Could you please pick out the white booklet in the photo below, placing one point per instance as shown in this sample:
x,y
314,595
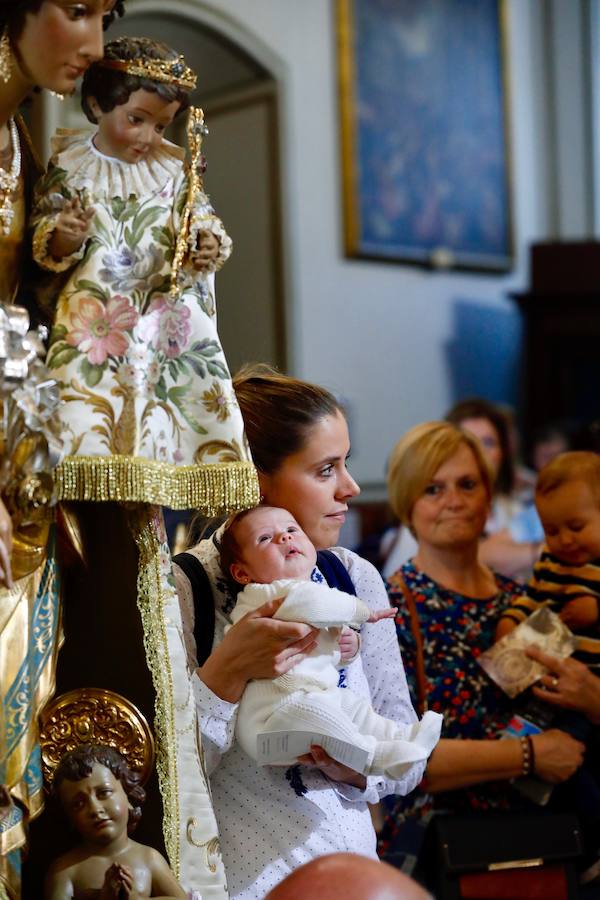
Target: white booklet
x,y
282,748
506,662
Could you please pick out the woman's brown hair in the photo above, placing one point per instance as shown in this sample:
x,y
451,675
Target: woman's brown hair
x,y
279,412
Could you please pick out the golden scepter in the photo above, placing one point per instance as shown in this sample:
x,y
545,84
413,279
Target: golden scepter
x,y
196,129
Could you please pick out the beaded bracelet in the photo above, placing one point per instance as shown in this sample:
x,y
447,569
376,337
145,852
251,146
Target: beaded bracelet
x,y
531,753
528,755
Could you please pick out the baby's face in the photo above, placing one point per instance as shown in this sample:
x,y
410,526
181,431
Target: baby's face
x,y
97,806
273,546
134,129
571,519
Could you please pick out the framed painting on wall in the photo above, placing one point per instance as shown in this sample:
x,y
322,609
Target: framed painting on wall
x,y
424,134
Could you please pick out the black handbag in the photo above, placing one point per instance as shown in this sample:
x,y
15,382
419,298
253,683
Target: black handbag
x,y
497,855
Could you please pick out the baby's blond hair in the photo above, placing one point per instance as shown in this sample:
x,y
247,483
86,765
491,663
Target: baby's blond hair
x,y
576,465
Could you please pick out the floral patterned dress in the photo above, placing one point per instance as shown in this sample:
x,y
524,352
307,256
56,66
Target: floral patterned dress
x,y
149,411
456,630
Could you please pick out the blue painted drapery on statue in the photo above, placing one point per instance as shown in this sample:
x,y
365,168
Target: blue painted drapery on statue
x,y
29,640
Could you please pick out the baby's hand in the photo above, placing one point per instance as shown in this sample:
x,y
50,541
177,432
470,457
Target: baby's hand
x,y
504,627
71,228
582,612
204,257
349,643
380,614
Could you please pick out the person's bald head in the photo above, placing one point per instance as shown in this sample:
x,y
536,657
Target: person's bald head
x,y
346,876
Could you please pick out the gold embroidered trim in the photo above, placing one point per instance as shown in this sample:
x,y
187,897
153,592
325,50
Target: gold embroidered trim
x,y
214,488
212,847
151,604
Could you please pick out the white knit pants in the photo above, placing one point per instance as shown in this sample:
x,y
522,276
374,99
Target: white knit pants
x,y
341,714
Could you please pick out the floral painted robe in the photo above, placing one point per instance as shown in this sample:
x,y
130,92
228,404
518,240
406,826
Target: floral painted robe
x,y
149,412
150,418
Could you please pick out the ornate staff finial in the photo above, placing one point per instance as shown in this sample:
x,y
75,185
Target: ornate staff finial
x,y
196,129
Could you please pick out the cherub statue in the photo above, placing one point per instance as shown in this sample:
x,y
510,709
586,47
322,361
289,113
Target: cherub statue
x,y
102,798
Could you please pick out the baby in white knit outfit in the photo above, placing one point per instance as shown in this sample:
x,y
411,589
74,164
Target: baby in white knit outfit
x,y
266,550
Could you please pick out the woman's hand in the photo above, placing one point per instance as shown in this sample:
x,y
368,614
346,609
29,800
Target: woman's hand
x,y
569,683
334,770
257,646
557,755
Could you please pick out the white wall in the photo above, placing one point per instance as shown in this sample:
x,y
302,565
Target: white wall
x,y
382,335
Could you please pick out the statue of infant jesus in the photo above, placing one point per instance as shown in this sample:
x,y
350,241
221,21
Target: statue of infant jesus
x,y
102,798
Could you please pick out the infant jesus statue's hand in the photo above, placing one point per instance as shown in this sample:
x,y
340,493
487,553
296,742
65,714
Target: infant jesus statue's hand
x,y
204,257
71,228
118,884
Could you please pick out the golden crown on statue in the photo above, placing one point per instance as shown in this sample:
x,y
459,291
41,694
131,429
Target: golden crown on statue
x,y
169,71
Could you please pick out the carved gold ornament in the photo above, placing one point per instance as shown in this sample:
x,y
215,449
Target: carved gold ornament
x,y
95,716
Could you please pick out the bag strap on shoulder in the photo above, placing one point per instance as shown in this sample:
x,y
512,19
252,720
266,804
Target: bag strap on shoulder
x,y
335,572
204,607
415,627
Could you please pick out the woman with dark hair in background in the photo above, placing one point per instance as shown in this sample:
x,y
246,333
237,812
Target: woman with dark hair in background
x,y
513,533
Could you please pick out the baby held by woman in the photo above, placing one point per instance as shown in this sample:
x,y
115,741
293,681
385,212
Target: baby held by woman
x,y
265,550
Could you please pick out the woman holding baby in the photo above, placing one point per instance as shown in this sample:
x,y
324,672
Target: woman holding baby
x,y
271,819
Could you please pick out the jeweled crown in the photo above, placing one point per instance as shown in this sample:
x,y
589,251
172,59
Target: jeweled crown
x,y
170,71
